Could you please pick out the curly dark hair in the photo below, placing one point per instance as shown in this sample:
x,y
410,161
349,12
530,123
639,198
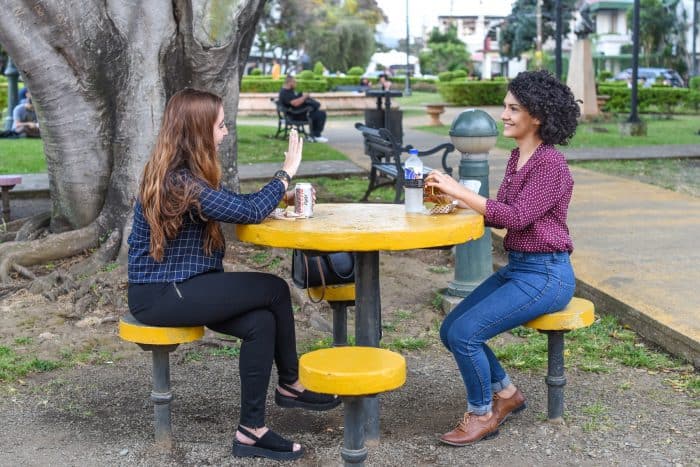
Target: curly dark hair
x,y
550,101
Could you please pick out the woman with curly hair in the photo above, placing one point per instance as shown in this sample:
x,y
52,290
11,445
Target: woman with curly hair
x,y
176,276
532,203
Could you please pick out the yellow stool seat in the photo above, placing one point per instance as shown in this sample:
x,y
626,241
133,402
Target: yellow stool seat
x,y
139,333
352,371
333,293
579,313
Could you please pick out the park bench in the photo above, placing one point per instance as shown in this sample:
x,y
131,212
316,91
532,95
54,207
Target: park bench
x,y
385,153
579,313
7,183
291,117
160,341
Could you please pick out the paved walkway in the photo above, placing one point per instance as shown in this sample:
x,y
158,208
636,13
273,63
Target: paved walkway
x,y
635,253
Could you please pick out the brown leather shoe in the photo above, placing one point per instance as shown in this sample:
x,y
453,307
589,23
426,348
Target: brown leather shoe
x,y
502,408
470,430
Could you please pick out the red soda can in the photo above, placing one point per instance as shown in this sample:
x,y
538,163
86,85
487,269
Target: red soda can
x,y
303,200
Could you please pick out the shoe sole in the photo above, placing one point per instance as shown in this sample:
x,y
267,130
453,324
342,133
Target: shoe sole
x,y
291,403
244,450
516,410
491,435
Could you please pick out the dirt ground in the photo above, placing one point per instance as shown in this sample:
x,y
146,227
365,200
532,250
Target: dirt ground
x,y
98,412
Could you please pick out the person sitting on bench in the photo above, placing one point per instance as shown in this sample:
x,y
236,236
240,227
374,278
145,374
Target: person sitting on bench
x,y
290,98
24,121
175,269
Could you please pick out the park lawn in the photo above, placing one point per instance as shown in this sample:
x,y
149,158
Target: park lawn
x,y
255,144
678,130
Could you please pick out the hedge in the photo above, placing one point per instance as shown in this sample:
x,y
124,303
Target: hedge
x,y
249,84
467,93
659,98
694,83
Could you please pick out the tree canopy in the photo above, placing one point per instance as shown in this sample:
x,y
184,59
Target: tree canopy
x,y
661,33
519,31
445,52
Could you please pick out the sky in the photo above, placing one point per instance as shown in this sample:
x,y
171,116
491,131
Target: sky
x,y
425,12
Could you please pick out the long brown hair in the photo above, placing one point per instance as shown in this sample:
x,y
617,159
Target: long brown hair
x,y
185,141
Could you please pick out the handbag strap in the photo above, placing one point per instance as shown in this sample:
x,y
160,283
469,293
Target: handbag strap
x,y
320,272
331,264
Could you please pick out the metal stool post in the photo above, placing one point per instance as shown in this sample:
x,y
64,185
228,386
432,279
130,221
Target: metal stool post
x,y
555,378
340,323
161,395
354,451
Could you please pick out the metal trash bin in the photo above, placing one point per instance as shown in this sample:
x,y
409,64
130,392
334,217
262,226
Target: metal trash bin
x,y
379,118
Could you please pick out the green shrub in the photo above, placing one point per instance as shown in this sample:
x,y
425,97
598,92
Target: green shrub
x,y
663,99
256,72
355,71
3,97
312,85
446,76
604,75
306,74
694,83
457,74
254,84
319,69
466,92
334,81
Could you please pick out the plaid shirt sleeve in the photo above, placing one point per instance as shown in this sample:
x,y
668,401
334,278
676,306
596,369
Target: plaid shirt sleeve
x,y
225,206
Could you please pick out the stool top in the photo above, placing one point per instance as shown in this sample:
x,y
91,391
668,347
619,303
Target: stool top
x,y
334,293
579,313
134,331
352,371
10,180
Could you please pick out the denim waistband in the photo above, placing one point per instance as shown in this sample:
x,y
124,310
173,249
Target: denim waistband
x,y
524,255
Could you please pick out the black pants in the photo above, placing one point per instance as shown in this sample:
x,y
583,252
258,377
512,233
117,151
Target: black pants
x,y
255,307
317,116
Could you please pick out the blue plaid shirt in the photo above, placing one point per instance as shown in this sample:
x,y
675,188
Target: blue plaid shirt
x,y
184,255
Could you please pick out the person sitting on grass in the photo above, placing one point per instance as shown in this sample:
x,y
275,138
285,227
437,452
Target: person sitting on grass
x,y
539,112
175,269
24,121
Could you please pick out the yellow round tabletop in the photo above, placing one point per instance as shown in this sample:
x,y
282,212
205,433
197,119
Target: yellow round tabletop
x,y
365,227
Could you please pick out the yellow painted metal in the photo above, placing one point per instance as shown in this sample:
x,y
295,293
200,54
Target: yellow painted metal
x,y
334,293
365,227
579,313
134,331
352,371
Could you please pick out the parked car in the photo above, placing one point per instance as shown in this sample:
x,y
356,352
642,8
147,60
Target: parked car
x,y
670,77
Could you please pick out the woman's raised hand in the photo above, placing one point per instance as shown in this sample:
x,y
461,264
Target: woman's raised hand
x,y
292,158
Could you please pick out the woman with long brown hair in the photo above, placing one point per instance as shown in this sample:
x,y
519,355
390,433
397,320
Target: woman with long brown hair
x,y
176,276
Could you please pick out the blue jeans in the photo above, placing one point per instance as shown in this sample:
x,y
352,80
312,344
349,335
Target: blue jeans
x,y
530,285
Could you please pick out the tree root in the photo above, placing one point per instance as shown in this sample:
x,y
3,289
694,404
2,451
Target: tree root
x,y
33,227
46,249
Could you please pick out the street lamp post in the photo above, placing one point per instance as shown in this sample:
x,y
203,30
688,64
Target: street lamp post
x,y
473,133
557,49
407,88
634,126
12,96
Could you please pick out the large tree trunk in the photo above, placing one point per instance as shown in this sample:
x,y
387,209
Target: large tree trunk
x,y
100,73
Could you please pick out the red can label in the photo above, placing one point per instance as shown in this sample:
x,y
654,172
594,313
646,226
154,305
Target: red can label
x,y
303,200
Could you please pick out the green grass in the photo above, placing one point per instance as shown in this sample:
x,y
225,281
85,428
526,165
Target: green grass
x,y
255,144
18,363
679,130
336,190
22,156
595,348
416,98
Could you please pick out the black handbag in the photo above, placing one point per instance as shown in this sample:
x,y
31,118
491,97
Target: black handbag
x,y
316,268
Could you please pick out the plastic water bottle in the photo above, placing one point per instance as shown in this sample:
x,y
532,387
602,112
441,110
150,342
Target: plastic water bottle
x,y
413,182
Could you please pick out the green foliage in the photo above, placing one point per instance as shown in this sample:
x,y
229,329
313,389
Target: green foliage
x,y
604,75
307,74
334,81
256,72
405,343
312,85
14,366
355,71
445,52
694,83
319,69
457,74
253,84
347,43
473,93
519,30
663,99
659,29
446,76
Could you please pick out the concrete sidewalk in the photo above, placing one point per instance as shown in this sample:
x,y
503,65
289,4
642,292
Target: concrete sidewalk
x,y
634,243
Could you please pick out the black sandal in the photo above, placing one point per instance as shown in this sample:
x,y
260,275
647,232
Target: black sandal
x,y
270,445
306,399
